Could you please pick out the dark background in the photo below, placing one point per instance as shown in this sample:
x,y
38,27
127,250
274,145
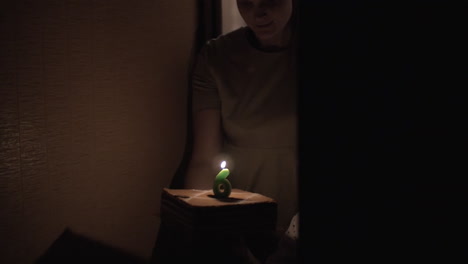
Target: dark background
x,y
382,136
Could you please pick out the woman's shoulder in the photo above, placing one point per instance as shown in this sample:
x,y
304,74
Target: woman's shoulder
x,y
234,35
231,42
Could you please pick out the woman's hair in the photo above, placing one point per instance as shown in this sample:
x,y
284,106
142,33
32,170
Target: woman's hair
x,y
294,20
294,23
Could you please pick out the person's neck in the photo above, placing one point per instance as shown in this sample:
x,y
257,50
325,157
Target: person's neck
x,y
277,43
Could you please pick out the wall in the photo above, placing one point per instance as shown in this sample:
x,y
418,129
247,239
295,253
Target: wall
x,y
231,19
92,119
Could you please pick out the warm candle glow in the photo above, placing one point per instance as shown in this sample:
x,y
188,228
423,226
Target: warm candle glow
x,y
221,186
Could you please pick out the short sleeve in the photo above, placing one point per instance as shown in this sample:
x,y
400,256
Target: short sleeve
x,y
204,90
293,230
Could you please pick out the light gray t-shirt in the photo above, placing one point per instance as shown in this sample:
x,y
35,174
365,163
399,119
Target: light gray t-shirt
x,y
256,92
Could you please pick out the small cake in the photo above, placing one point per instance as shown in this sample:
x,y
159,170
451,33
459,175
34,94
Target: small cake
x,y
199,226
200,210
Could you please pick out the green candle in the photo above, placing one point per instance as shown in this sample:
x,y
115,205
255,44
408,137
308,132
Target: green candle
x,y
222,174
221,186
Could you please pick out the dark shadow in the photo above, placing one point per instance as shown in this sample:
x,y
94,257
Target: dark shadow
x,y
382,141
72,248
226,199
208,26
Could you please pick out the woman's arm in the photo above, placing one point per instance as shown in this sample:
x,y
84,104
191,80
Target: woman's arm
x,y
207,143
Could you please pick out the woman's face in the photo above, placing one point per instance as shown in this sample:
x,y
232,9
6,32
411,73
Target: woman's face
x,y
268,19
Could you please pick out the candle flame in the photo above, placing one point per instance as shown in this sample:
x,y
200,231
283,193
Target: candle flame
x,y
223,164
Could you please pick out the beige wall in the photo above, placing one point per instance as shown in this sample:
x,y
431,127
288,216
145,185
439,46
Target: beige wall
x,y
231,19
92,119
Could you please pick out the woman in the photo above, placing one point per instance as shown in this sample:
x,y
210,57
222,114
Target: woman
x,y
244,107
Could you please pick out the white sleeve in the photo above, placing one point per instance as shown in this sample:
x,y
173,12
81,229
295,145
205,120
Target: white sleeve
x,y
293,229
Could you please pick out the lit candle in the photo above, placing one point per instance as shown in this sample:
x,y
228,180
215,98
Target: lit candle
x,y
221,186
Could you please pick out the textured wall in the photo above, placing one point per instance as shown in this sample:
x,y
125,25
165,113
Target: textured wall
x,y
92,119
231,19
